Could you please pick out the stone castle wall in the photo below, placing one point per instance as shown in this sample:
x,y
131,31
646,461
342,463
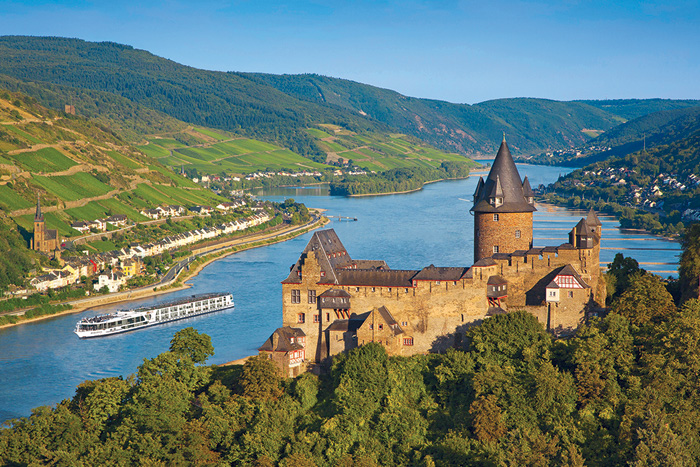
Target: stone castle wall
x,y
501,233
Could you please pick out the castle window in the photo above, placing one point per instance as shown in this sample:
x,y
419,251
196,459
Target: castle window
x,y
406,290
371,327
381,327
301,318
357,289
312,296
317,318
372,289
328,316
495,248
517,234
404,323
552,293
571,294
495,217
296,296
389,289
437,282
408,341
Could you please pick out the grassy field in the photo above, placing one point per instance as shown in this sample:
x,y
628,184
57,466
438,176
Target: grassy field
x,y
46,160
316,133
72,187
123,160
23,134
10,200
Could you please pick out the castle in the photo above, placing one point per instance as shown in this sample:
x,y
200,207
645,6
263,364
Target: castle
x,y
44,240
333,303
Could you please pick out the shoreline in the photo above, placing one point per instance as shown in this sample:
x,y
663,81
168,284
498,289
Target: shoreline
x,y
154,290
359,195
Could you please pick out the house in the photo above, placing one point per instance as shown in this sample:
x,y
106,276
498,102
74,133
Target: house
x,y
286,348
117,220
113,280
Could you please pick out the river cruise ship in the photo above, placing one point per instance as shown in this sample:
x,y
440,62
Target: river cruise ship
x,y
129,320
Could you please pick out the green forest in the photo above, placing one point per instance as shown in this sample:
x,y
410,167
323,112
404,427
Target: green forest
x,y
398,180
624,390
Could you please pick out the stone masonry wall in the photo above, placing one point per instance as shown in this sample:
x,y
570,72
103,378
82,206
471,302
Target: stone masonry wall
x,y
501,233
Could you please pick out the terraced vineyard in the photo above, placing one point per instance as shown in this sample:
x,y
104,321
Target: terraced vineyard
x,y
212,152
80,170
378,152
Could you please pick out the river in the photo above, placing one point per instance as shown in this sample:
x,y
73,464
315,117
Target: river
x,y
41,363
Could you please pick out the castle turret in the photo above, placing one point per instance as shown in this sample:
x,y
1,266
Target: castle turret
x,y
503,207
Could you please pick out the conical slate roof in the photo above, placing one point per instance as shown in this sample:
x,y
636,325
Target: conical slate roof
x,y
592,219
38,216
503,180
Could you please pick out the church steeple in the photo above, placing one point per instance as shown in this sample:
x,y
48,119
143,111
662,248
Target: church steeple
x,y
38,216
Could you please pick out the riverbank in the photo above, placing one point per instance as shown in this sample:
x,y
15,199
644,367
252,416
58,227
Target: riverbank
x,y
360,195
206,254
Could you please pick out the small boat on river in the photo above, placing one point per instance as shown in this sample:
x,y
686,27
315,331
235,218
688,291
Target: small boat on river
x,y
129,320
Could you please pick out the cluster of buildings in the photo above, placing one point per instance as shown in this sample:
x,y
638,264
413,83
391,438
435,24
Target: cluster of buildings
x,y
163,211
112,269
646,196
303,173
100,225
333,302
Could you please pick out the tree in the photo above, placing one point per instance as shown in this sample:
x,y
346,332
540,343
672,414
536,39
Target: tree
x,y
689,267
192,344
645,300
486,419
618,274
260,379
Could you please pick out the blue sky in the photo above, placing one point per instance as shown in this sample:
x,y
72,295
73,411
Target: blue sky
x,y
458,51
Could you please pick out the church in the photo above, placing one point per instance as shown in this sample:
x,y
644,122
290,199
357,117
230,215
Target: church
x,y
332,302
44,240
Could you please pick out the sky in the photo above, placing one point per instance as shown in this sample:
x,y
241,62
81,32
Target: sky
x,y
460,51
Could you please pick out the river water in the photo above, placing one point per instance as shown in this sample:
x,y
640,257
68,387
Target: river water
x,y
41,363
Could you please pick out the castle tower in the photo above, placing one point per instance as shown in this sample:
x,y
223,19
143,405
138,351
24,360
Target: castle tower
x,y
39,228
503,207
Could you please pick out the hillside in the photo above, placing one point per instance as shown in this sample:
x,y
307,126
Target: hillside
x,y
279,108
655,129
630,109
81,170
531,124
657,190
208,151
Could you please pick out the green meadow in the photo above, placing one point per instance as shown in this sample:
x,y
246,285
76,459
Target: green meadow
x,y
125,161
72,187
46,160
11,201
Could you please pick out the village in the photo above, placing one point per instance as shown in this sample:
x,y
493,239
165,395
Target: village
x,y
112,269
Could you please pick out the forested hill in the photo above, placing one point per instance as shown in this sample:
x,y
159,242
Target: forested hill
x,y
655,129
214,99
531,124
629,109
279,108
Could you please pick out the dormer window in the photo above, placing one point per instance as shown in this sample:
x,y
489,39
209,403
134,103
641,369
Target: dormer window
x,y
530,200
497,201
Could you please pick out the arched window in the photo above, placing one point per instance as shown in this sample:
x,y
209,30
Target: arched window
x,y
517,234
